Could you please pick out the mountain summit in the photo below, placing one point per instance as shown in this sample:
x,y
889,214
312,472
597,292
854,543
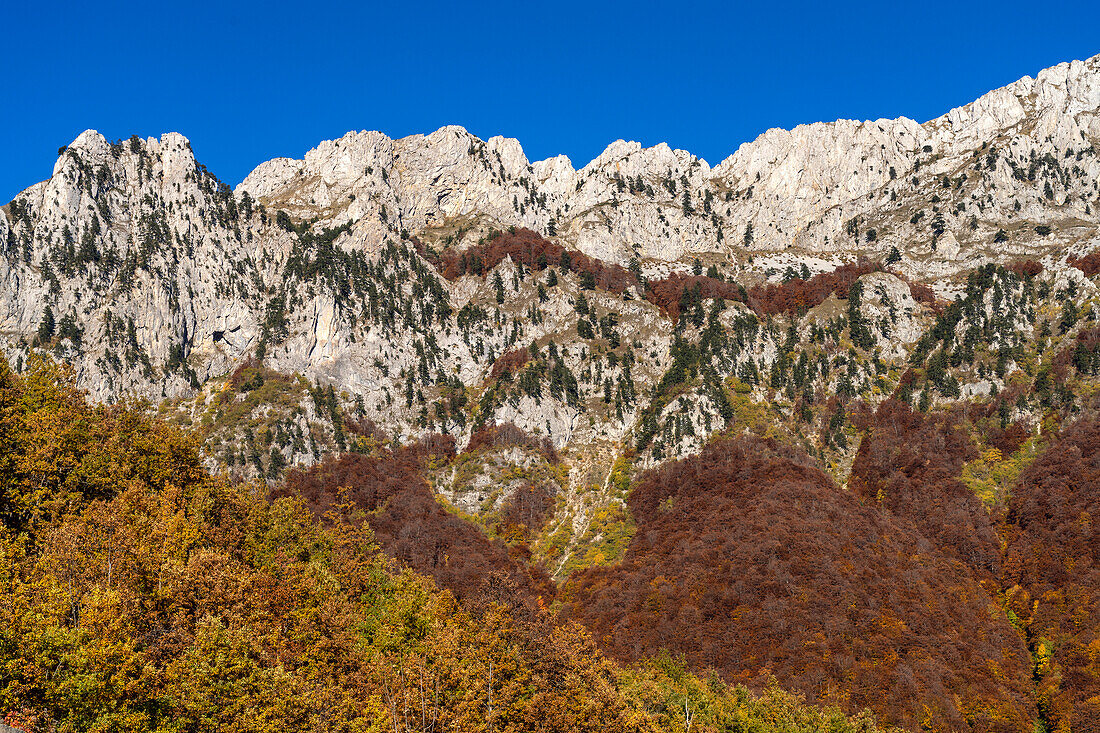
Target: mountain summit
x,y
615,382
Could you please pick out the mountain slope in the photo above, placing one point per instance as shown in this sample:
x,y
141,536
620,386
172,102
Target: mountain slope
x,y
748,560
570,330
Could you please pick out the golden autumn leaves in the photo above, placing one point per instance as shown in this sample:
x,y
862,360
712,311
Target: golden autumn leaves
x,y
138,593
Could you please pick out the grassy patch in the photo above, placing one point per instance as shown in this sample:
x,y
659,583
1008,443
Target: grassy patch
x,y
605,541
991,475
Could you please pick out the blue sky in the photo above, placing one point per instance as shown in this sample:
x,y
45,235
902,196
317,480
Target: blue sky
x,y
249,81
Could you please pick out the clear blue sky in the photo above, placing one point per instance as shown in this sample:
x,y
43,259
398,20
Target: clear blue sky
x,y
248,81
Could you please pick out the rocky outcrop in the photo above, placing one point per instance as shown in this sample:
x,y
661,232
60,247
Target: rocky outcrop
x,y
151,277
799,189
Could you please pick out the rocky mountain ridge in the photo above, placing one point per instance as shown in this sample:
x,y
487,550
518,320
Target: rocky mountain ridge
x,y
628,310
802,192
870,340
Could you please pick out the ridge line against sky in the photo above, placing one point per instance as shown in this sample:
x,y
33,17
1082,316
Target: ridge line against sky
x,y
253,81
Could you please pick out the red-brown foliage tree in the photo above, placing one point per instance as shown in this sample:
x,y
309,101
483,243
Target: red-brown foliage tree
x,y
922,294
1052,570
749,560
526,510
410,525
910,464
366,428
790,297
666,293
1025,269
799,294
534,251
1089,264
510,362
508,435
1009,440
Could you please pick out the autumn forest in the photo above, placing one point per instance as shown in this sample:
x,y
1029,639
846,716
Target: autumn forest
x,y
420,436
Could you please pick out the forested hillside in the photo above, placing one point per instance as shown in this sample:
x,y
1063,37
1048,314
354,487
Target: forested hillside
x,y
141,593
419,434
748,558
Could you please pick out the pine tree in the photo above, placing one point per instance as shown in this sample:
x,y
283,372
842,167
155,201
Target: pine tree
x,y
47,327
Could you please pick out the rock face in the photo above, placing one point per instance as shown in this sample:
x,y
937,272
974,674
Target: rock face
x,y
136,254
568,329
796,189
151,277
